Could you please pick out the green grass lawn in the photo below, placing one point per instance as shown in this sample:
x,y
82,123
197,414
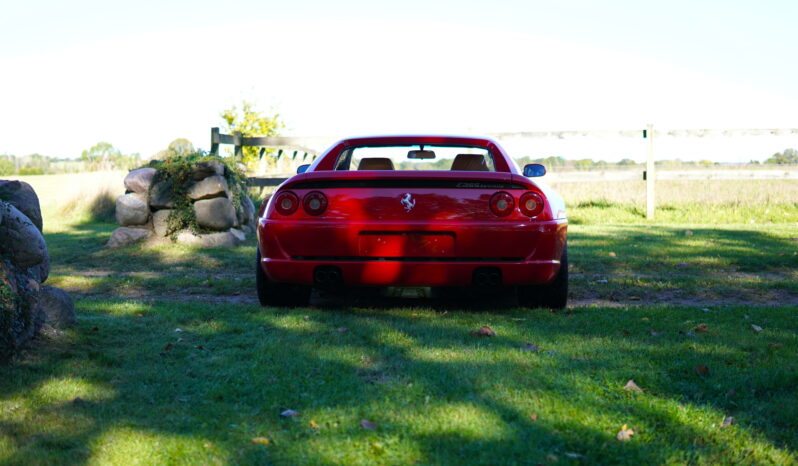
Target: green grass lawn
x,y
125,387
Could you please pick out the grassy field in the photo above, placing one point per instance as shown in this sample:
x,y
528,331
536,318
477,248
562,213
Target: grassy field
x,y
173,361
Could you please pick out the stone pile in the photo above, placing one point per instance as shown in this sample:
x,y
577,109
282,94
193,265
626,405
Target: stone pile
x,y
143,211
26,304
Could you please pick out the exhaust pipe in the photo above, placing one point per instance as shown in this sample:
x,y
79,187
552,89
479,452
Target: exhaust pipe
x,y
327,276
487,277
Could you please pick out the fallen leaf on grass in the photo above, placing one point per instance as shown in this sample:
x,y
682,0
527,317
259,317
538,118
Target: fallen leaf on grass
x,y
756,328
624,434
727,422
775,345
289,413
612,254
529,347
631,386
533,416
701,328
702,370
368,425
484,331
261,441
313,424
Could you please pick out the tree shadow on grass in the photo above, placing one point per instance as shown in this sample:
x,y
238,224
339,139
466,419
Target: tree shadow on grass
x,y
436,393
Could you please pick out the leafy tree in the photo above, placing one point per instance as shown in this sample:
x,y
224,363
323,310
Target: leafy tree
x,y
180,147
251,122
104,156
8,165
789,156
100,156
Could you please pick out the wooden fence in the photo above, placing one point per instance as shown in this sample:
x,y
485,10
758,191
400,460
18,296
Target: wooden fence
x,y
650,175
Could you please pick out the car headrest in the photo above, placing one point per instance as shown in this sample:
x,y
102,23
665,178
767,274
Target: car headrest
x,y
375,163
470,163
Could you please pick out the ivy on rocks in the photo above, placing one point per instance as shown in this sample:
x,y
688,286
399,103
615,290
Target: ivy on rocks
x,y
178,173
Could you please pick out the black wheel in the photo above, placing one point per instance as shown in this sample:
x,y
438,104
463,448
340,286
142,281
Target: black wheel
x,y
551,296
279,294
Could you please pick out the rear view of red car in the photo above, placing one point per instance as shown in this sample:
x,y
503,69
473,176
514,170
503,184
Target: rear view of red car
x,y
394,212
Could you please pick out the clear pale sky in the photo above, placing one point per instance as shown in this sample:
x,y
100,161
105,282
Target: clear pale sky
x,y
140,74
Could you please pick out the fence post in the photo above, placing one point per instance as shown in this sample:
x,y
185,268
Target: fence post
x,y
650,175
238,142
215,141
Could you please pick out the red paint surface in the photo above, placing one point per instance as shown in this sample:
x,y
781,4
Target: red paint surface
x,y
375,239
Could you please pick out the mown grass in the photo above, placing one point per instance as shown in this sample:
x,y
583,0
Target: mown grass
x,y
125,387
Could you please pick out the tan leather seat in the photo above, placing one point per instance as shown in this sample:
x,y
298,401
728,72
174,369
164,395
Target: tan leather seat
x,y
470,163
375,163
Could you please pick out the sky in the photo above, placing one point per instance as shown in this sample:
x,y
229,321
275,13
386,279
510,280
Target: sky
x,y
141,74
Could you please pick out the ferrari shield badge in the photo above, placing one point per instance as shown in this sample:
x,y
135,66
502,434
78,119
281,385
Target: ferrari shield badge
x,y
408,202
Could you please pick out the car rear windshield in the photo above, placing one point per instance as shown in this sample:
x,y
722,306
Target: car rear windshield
x,y
416,157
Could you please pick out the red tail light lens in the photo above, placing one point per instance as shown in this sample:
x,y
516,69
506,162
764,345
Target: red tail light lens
x,y
502,204
531,204
286,203
314,203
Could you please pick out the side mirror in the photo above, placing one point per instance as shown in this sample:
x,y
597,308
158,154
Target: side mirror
x,y
304,168
534,169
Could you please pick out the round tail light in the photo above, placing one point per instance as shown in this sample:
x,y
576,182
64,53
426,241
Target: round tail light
x,y
531,204
286,203
314,203
502,204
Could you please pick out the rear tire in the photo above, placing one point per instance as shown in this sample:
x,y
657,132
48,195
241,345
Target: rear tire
x,y
552,296
279,294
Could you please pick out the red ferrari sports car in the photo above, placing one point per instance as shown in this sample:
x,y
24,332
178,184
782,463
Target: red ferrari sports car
x,y
435,213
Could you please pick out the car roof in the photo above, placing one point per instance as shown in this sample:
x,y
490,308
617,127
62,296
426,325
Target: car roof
x,y
404,139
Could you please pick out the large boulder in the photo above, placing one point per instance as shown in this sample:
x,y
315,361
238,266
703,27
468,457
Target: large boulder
x,y
212,240
161,196
216,214
20,240
210,187
123,236
139,180
56,307
22,196
131,209
19,301
205,169
160,221
246,212
42,271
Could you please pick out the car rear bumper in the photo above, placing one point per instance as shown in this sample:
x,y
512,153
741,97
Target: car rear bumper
x,y
523,253
403,273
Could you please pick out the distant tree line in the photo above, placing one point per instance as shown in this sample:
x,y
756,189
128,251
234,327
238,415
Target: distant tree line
x,y
101,156
788,156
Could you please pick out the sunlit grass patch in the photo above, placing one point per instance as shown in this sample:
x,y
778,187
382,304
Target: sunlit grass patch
x,y
129,446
